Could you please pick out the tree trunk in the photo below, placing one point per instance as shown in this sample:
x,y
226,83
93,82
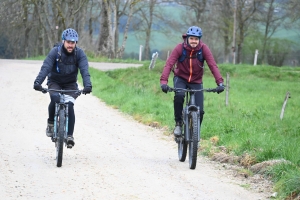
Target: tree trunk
x,y
105,38
121,50
27,28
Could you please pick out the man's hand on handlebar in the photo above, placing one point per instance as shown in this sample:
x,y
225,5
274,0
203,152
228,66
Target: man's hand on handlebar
x,y
220,88
165,88
37,87
86,90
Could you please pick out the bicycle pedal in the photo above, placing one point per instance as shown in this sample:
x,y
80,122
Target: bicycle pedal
x,y
69,146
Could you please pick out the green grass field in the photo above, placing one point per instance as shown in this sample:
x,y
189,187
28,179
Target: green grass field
x,y
250,124
160,41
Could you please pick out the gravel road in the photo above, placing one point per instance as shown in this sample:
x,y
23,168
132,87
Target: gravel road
x,y
114,156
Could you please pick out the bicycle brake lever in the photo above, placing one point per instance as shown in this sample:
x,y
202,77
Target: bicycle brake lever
x,y
78,92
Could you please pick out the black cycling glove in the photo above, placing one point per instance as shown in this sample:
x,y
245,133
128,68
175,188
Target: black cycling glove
x,y
164,88
220,88
37,87
87,90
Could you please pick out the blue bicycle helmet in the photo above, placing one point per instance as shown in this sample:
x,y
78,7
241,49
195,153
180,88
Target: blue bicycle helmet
x,y
194,31
70,35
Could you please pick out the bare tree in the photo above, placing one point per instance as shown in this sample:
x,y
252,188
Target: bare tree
x,y
27,28
111,13
151,17
105,36
245,12
129,17
145,13
31,27
271,20
223,18
12,23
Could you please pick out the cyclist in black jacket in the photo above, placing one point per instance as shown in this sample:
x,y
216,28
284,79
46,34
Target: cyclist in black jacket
x,y
61,66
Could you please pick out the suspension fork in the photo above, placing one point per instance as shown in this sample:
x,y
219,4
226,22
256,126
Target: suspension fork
x,y
67,119
65,106
198,123
55,119
192,104
186,123
186,118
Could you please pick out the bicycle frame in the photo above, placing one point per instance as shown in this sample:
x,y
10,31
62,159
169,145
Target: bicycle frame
x,y
190,106
61,122
59,106
191,120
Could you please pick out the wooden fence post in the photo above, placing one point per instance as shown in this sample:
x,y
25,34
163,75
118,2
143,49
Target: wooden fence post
x,y
255,57
140,53
153,60
284,104
227,89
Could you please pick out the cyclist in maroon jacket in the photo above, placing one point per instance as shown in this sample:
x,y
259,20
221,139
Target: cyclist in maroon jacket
x,y
188,72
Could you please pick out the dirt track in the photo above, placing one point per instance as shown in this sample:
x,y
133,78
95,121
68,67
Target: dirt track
x,y
114,156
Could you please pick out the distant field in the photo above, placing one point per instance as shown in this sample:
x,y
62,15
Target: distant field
x,y
160,41
288,34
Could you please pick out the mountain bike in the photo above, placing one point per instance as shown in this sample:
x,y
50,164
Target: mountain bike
x,y
191,123
61,121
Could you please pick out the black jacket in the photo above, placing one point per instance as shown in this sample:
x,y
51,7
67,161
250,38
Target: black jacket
x,y
68,66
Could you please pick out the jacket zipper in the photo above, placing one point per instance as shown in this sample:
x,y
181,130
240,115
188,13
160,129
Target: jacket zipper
x,y
191,65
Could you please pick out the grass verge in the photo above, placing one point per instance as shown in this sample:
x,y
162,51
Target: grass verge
x,y
249,126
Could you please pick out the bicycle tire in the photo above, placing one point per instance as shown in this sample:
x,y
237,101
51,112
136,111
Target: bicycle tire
x,y
182,149
182,144
193,142
60,138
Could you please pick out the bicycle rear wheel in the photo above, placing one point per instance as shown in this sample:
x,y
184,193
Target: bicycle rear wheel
x,y
60,138
193,142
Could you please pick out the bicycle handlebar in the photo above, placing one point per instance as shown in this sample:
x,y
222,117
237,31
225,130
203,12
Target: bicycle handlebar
x,y
192,90
45,90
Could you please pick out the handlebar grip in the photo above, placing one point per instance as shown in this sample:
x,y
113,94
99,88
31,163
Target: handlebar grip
x,y
170,89
212,90
78,92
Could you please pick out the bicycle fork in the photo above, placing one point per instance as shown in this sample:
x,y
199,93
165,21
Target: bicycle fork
x,y
186,117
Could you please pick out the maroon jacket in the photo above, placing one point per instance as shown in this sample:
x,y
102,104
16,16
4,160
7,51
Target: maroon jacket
x,y
191,69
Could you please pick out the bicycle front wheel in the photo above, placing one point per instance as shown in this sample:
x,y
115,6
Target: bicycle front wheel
x,y
193,142
182,149
182,144
60,138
